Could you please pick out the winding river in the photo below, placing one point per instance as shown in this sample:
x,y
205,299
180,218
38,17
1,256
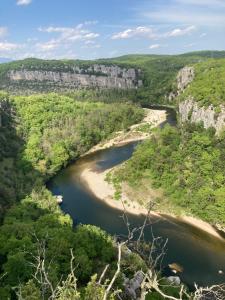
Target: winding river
x,y
200,254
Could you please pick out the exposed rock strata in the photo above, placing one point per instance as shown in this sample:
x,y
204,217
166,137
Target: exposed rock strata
x,y
97,76
190,110
184,78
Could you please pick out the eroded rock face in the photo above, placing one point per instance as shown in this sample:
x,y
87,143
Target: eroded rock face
x,y
96,76
184,78
190,111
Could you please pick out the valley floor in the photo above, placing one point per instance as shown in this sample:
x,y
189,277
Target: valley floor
x,y
131,200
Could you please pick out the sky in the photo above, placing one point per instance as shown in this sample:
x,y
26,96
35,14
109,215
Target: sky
x,y
89,29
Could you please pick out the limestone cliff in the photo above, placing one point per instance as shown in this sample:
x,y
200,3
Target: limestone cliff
x,y
211,117
94,76
190,110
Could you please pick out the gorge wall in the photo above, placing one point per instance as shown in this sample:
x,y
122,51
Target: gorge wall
x,y
190,110
94,76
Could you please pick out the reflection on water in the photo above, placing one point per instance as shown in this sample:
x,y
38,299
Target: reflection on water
x,y
200,254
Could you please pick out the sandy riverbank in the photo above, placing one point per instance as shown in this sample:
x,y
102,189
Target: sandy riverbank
x,y
152,117
105,191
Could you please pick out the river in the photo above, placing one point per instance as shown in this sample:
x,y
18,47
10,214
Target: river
x,y
200,254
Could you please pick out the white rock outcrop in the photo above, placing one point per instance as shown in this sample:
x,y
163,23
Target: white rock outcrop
x,y
184,78
190,110
97,76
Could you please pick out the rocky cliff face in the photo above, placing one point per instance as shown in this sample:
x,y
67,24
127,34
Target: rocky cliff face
x,y
190,110
97,76
184,78
211,117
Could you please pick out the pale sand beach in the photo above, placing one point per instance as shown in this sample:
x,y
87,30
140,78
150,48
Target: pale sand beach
x,y
152,117
104,191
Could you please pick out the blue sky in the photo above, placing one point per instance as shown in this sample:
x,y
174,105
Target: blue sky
x,y
88,29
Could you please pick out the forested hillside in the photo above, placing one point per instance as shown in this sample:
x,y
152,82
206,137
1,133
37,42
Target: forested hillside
x,y
157,72
187,162
41,255
39,135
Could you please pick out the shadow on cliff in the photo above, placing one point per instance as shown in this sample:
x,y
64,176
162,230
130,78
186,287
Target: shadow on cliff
x,y
16,176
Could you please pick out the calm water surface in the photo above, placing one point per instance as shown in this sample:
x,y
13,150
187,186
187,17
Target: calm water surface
x,y
200,254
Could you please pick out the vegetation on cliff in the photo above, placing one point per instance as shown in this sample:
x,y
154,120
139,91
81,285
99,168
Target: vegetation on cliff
x,y
158,73
208,86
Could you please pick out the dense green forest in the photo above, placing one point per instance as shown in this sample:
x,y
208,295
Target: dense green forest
x,y
56,129
188,163
39,135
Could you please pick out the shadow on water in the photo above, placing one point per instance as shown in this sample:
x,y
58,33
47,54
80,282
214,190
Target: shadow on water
x,y
200,254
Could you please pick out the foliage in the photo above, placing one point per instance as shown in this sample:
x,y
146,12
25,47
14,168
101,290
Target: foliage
x,y
43,133
158,75
27,225
208,86
188,164
58,129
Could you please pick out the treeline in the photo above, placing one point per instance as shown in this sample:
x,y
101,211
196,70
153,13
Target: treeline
x,y
188,164
158,73
58,129
39,135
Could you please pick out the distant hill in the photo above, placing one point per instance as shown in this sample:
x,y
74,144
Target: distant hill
x,y
148,79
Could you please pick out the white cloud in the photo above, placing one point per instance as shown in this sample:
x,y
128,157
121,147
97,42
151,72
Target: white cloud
x,y
149,33
3,31
67,34
7,47
141,31
154,46
23,2
180,32
50,45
